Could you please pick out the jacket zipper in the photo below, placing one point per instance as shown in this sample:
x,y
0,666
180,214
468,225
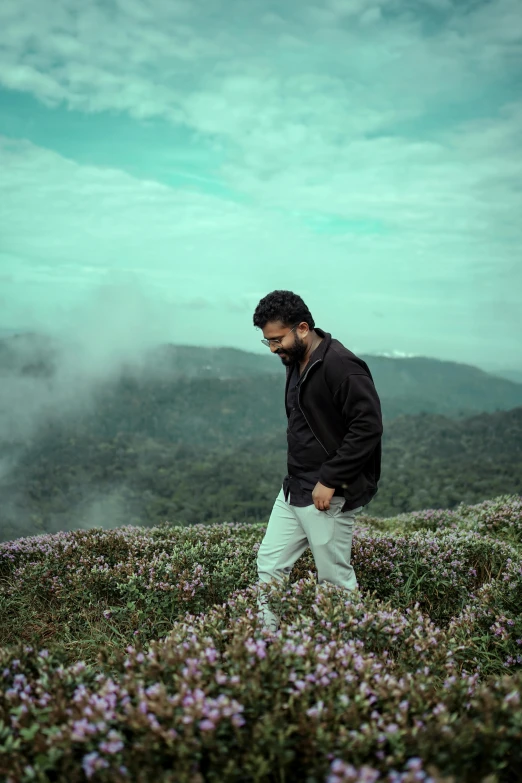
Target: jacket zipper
x,y
302,411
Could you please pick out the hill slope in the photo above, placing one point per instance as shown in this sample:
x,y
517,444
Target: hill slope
x,y
406,385
73,476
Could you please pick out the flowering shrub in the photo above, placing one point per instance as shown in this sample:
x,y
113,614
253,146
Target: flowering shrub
x,y
501,517
427,519
138,654
210,699
146,578
493,620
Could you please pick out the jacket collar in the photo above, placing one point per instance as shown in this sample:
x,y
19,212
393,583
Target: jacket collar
x,y
323,345
319,352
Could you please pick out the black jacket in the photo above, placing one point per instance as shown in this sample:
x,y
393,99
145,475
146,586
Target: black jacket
x,y
338,399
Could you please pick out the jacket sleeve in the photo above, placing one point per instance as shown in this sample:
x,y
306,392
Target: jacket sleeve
x,y
359,404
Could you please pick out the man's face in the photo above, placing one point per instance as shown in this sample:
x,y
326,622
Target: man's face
x,y
292,348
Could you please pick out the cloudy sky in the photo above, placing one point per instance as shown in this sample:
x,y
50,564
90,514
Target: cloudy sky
x,y
164,164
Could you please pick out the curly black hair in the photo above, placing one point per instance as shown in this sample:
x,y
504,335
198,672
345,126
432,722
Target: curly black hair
x,y
284,306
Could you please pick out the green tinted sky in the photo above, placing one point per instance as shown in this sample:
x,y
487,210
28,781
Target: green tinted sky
x,y
165,164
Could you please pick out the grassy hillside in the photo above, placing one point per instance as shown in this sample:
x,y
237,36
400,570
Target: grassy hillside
x,y
137,654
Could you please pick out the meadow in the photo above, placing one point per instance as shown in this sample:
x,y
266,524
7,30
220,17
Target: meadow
x,y
137,654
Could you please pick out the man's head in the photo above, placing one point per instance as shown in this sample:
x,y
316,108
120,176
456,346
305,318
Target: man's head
x,y
282,315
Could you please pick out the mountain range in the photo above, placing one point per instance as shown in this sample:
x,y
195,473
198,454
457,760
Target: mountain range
x,y
405,385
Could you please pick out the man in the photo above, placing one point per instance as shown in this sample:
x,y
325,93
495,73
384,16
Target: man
x,y
334,447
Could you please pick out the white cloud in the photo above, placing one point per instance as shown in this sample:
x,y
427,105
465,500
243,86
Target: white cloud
x,y
59,210
341,108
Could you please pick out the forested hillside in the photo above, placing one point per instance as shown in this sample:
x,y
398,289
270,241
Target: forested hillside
x,y
198,435
75,475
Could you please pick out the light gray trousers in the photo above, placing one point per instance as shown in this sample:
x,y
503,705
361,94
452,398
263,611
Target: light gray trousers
x,y
291,530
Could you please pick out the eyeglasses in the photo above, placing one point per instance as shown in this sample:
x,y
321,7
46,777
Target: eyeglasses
x,y
267,342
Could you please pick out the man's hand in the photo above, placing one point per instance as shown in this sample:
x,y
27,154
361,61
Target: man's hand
x,y
321,496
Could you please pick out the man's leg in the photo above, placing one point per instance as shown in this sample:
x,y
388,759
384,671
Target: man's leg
x,y
330,536
283,543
